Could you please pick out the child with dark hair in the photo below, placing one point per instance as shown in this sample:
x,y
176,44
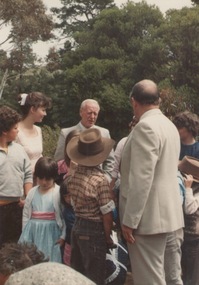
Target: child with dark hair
x,y
69,218
187,124
43,223
33,108
15,177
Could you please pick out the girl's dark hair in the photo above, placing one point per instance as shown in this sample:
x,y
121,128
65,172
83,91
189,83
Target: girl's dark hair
x,y
63,191
46,167
33,99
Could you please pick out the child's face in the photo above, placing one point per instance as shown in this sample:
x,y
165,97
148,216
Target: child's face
x,y
184,133
67,199
12,133
45,184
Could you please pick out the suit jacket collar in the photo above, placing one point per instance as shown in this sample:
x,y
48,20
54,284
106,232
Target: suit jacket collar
x,y
82,128
150,113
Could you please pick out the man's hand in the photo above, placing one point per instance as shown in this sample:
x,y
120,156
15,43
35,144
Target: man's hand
x,y
60,242
128,234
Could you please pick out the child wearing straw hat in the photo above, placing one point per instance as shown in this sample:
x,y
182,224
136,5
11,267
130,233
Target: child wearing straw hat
x,y
92,202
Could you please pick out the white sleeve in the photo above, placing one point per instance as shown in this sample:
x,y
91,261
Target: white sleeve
x,y
191,203
117,157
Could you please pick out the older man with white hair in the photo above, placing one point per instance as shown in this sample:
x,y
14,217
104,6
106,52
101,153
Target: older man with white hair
x,y
89,111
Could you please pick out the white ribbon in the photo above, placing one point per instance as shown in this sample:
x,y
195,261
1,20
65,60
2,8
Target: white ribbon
x,y
23,99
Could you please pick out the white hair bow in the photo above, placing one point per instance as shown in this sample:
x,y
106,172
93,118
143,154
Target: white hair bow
x,y
23,99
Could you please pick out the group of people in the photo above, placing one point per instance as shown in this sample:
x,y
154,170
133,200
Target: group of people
x,y
65,205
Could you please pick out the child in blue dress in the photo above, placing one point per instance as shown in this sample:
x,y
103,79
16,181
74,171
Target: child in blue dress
x,y
43,223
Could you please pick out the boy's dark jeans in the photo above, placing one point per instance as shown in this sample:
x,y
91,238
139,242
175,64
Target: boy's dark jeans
x,y
88,255
10,223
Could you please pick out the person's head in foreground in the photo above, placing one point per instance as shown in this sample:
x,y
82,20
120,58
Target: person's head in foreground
x,y
18,256
49,273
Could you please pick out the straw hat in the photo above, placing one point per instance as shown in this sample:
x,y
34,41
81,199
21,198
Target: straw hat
x,y
89,148
190,165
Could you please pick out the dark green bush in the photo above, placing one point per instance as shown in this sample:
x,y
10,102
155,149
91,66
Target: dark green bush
x,y
50,138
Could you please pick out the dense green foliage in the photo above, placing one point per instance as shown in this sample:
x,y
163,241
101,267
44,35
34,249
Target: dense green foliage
x,y
50,137
107,49
78,15
28,20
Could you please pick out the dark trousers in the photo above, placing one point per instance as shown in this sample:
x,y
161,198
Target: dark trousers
x,y
10,223
190,262
88,255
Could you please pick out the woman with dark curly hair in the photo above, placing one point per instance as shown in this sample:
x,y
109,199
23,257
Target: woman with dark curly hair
x,y
187,124
15,257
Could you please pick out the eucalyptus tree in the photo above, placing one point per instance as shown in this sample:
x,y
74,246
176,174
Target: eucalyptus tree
x,y
28,22
76,15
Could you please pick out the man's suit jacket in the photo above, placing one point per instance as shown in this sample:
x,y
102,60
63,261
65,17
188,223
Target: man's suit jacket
x,y
149,196
59,153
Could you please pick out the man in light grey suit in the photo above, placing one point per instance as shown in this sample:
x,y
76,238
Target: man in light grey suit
x,y
150,202
89,111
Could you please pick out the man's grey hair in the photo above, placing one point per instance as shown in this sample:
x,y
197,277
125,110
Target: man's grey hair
x,y
89,101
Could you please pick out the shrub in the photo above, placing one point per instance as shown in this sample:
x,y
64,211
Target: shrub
x,y
50,138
